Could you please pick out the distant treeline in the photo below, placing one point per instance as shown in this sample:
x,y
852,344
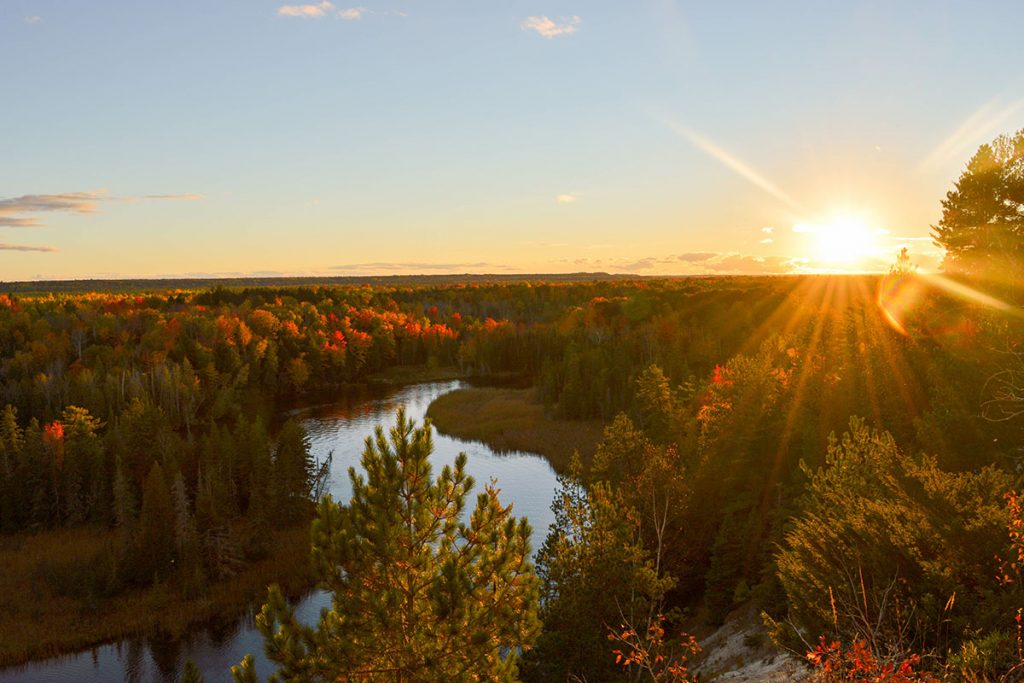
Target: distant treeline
x,y
163,284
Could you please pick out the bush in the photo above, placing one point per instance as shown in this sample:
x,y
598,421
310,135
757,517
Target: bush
x,y
892,549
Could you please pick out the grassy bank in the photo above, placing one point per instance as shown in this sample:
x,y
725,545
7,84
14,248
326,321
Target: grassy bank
x,y
415,374
511,420
38,621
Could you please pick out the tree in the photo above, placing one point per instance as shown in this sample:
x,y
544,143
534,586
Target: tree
x,y
656,406
982,226
293,470
156,528
418,595
597,575
892,550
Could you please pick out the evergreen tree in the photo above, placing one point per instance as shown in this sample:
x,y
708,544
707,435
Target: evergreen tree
x,y
596,574
11,475
982,226
191,673
293,470
417,594
885,540
655,404
155,546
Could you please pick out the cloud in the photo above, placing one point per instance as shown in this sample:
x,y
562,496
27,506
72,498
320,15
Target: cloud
x,y
182,197
697,256
767,229
352,13
306,11
77,202
12,210
24,247
34,19
566,199
11,222
549,29
767,240
392,266
751,265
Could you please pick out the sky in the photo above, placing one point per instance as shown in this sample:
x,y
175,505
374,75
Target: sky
x,y
250,137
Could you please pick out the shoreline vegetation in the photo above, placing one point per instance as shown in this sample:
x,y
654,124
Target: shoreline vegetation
x,y
39,620
513,420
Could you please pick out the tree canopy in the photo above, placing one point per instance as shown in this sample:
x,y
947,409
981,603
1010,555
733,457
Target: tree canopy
x,y
982,226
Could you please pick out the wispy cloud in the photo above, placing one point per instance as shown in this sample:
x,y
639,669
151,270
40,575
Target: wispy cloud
x,y
181,197
697,256
13,210
25,247
767,229
739,263
33,19
12,222
979,127
353,13
386,267
566,199
316,11
549,28
78,202
751,265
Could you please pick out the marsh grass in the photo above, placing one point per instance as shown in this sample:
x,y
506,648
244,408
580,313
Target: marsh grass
x,y
512,420
43,613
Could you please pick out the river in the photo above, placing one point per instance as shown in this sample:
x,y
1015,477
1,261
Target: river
x,y
525,480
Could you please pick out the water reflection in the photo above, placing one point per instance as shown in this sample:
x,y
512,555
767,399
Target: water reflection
x,y
527,481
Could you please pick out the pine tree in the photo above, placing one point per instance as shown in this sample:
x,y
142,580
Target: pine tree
x,y
191,673
124,498
293,470
186,539
655,404
155,548
417,594
11,480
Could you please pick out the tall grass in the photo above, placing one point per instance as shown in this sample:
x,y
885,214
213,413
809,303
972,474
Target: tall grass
x,y
511,420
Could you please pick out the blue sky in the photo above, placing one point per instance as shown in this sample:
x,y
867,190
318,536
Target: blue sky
x,y
230,137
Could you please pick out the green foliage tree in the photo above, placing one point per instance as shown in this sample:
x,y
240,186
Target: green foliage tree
x,y
893,549
293,470
597,575
191,674
156,538
655,404
982,225
418,595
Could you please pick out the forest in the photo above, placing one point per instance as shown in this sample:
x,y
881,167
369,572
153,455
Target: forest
x,y
839,453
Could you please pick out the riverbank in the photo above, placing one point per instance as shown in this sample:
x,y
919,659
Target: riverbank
x,y
512,420
38,621
401,375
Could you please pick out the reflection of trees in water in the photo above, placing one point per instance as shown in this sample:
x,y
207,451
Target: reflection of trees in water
x,y
134,660
222,631
165,652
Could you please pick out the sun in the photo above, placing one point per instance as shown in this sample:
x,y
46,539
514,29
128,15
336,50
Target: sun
x,y
843,240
